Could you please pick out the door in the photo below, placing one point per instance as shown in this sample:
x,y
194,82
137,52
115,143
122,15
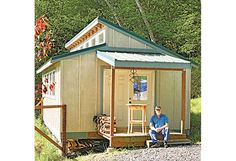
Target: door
x,y
141,91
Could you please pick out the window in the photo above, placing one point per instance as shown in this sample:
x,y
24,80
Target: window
x,y
140,88
101,38
87,44
93,42
49,83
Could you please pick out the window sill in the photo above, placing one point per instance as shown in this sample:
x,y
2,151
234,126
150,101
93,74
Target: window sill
x,y
50,97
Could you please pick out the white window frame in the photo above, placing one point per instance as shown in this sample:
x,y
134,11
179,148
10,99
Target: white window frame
x,y
103,38
95,36
49,93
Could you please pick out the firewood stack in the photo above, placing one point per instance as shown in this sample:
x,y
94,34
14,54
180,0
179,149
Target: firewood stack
x,y
103,124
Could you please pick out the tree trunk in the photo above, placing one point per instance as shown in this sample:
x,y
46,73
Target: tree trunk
x,y
114,13
151,35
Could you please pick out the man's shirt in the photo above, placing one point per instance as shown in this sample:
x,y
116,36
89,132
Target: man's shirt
x,y
159,122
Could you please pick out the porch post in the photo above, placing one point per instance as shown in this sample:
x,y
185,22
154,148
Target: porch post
x,y
112,105
183,102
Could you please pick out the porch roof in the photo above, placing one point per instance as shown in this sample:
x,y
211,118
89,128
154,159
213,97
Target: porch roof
x,y
142,60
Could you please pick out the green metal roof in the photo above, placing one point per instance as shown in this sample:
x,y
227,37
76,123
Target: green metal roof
x,y
77,52
142,60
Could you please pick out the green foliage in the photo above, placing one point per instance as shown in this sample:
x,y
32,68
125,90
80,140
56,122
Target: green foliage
x,y
44,150
195,120
196,83
176,24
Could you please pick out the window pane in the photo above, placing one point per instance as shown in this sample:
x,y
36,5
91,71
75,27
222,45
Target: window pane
x,y
140,88
101,38
93,42
53,76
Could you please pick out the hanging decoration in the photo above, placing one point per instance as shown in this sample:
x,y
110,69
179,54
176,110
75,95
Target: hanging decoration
x,y
46,80
52,86
45,89
132,75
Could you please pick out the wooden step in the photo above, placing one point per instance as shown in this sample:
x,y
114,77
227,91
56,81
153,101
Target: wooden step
x,y
170,142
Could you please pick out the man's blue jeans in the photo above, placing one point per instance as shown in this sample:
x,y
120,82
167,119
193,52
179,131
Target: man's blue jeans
x,y
165,133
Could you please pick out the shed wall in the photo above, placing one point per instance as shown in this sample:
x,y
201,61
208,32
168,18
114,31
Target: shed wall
x,y
52,117
169,96
117,39
80,92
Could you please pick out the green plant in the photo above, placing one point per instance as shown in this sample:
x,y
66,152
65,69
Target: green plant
x,y
196,83
44,150
195,121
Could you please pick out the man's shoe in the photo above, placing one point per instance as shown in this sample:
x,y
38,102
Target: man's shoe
x,y
165,145
156,145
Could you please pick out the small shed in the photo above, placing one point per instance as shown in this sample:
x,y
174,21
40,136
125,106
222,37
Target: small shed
x,y
107,68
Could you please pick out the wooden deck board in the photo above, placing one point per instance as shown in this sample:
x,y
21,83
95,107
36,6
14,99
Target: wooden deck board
x,y
139,139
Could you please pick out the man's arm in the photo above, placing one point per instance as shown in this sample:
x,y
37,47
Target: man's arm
x,y
166,123
161,128
152,126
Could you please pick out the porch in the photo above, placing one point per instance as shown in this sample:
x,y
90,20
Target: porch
x,y
123,139
142,62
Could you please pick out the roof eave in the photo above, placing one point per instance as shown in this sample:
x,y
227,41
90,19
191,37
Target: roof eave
x,y
44,66
84,30
77,52
164,65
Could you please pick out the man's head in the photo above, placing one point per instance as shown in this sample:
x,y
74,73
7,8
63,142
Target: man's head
x,y
158,110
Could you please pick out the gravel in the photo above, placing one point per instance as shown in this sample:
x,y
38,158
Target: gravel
x,y
174,153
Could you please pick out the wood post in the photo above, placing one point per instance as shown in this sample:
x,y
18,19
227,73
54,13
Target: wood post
x,y
64,147
183,102
112,106
47,137
40,103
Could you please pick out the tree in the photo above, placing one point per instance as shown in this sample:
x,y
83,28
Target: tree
x,y
43,48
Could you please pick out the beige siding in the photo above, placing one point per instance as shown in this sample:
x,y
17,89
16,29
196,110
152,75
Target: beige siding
x,y
52,117
169,96
79,92
136,44
70,92
121,97
88,92
118,39
101,65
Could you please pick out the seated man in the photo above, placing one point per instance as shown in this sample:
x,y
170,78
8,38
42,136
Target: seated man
x,y
159,125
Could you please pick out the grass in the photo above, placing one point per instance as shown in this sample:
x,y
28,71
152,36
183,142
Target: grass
x,y
44,150
195,121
